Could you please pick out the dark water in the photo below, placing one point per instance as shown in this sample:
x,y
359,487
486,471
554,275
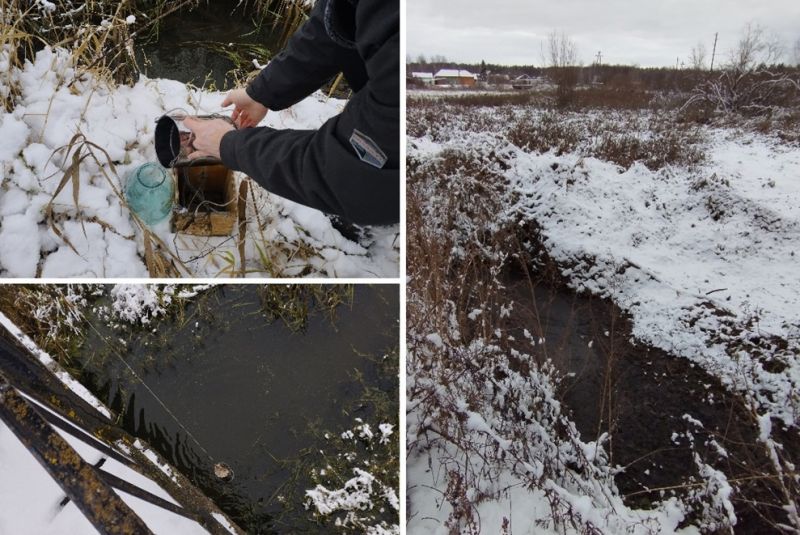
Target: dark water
x,y
183,49
639,396
253,393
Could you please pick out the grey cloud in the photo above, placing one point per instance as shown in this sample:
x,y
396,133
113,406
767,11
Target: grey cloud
x,y
648,33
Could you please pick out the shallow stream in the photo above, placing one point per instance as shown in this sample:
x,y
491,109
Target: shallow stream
x,y
223,382
189,44
644,398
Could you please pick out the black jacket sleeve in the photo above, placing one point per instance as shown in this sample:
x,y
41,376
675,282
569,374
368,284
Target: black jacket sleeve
x,y
321,168
311,58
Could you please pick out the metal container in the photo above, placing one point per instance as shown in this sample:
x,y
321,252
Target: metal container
x,y
205,190
174,141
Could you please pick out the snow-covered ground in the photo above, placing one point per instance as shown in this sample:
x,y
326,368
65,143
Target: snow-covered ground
x,y
703,258
283,238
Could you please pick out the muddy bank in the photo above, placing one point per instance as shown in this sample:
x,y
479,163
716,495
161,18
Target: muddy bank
x,y
658,410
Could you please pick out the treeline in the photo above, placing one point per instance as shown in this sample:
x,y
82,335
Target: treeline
x,y
627,76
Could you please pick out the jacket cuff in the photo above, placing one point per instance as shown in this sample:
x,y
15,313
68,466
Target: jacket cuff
x,y
257,90
227,149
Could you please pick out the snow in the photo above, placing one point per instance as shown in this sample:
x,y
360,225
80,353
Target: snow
x,y
15,135
19,246
224,522
453,73
354,495
100,238
386,430
703,259
682,250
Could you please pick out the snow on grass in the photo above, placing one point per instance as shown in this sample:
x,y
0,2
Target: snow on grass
x,y
473,469
139,303
283,238
349,491
702,257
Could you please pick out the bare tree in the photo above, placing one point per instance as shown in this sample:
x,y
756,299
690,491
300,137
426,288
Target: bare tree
x,y
751,81
561,56
755,48
697,58
561,50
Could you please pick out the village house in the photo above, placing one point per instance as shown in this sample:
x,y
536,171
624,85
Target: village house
x,y
455,77
424,78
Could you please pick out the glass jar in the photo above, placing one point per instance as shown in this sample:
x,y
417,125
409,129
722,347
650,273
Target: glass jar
x,y
150,193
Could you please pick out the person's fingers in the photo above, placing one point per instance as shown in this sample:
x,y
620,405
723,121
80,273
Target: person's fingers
x,y
197,154
191,123
228,99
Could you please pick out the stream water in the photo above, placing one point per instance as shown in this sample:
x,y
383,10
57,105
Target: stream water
x,y
641,397
222,382
187,47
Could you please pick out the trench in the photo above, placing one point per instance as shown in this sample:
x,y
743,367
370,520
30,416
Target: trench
x,y
256,393
639,395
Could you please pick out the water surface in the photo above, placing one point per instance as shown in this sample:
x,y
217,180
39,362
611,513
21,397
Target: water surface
x,y
244,390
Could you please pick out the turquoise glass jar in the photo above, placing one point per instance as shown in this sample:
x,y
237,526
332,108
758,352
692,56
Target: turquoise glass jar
x,y
150,193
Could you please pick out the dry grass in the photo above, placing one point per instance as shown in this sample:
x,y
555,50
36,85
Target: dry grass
x,y
462,244
655,139
50,314
161,262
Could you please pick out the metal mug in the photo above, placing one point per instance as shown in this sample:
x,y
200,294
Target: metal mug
x,y
174,141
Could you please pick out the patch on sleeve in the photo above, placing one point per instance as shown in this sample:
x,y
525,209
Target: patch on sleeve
x,y
367,149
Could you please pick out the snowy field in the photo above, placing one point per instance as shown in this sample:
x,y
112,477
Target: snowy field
x,y
703,259
93,233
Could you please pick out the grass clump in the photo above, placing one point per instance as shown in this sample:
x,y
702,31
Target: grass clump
x,y
52,315
293,304
357,476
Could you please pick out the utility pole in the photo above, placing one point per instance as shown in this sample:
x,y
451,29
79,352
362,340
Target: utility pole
x,y
599,58
714,52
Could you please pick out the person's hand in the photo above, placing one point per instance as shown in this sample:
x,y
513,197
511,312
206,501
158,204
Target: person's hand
x,y
207,135
246,112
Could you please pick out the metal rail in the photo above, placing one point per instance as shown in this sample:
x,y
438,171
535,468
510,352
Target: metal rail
x,y
80,482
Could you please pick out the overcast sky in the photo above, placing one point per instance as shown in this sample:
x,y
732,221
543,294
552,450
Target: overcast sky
x,y
648,33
